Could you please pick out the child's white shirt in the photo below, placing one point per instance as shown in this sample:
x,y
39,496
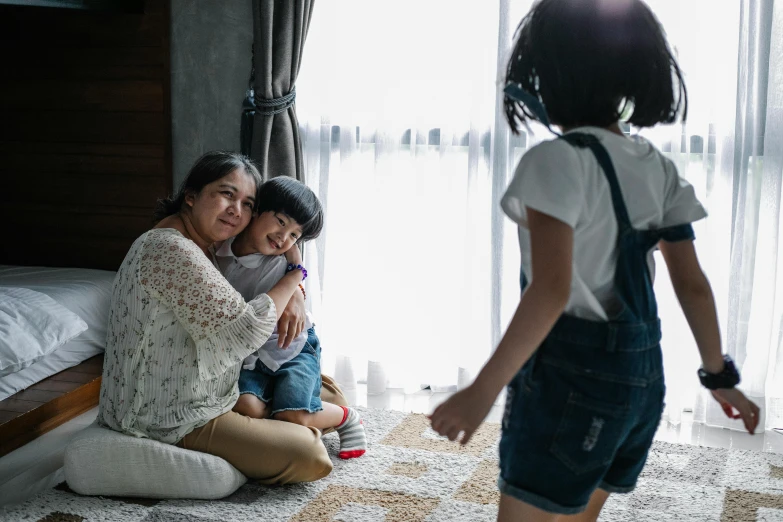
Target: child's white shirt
x,y
251,276
566,182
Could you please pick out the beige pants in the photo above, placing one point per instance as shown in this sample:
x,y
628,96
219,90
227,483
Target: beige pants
x,y
270,451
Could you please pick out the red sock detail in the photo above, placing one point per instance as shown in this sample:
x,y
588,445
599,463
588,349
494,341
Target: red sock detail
x,y
351,454
345,416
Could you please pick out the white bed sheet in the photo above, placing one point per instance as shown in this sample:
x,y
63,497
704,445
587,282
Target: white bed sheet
x,y
67,356
84,291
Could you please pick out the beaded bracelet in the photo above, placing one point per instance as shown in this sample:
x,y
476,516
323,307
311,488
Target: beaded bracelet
x,y
292,267
304,294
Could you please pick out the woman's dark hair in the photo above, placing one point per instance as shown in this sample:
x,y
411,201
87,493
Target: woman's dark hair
x,y
585,58
294,199
208,168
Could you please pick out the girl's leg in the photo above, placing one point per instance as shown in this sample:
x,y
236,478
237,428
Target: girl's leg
x,y
514,510
270,451
251,406
597,500
511,510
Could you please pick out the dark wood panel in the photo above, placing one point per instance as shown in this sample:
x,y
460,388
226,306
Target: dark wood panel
x,y
122,191
85,134
70,127
124,150
65,251
35,28
82,95
17,162
104,71
83,64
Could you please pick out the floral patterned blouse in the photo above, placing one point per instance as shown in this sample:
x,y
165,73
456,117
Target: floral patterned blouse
x,y
177,335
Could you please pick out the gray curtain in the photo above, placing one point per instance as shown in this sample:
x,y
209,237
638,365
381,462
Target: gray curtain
x,y
279,33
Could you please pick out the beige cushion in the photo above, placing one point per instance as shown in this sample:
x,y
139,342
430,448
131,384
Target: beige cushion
x,y
100,461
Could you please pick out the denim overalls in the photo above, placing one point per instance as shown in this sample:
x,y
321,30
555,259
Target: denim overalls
x,y
582,412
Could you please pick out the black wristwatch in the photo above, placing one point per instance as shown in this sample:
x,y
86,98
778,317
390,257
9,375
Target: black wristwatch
x,y
728,378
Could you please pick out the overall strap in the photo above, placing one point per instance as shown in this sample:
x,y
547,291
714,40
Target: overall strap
x,y
583,140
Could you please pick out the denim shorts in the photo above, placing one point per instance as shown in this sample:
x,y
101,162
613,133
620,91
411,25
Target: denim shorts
x,y
296,385
566,432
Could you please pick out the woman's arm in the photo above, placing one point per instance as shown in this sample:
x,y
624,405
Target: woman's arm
x,y
543,302
292,320
224,328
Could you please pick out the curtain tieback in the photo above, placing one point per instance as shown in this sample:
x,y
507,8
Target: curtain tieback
x,y
268,107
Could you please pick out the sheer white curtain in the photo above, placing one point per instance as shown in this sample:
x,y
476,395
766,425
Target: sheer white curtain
x,y
730,149
416,274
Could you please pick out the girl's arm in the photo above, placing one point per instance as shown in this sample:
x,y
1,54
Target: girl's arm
x,y
695,296
543,302
698,304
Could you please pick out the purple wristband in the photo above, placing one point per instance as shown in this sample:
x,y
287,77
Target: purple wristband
x,y
291,267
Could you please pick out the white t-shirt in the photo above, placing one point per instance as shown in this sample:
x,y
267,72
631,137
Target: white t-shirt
x,y
251,276
566,182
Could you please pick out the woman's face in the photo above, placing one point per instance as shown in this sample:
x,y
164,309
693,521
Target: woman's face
x,y
224,207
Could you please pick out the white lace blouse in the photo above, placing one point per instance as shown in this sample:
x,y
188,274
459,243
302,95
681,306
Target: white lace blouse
x,y
177,334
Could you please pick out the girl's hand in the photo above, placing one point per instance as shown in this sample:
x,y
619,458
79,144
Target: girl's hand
x,y
735,405
293,255
463,412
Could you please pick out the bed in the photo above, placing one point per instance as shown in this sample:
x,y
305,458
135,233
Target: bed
x,y
65,382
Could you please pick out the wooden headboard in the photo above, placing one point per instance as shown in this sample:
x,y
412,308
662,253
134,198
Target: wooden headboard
x,y
85,132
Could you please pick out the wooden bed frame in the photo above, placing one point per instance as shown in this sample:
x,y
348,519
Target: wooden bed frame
x,y
45,405
86,152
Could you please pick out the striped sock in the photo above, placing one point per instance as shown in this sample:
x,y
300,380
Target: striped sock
x,y
353,441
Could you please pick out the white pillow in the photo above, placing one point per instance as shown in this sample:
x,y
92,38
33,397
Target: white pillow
x,y
100,461
84,291
32,325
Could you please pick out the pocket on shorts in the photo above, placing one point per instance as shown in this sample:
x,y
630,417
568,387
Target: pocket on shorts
x,y
589,433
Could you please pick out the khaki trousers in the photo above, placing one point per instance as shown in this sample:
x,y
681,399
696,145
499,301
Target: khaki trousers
x,y
269,451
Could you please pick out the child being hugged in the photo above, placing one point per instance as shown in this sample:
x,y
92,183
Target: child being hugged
x,y
581,357
276,381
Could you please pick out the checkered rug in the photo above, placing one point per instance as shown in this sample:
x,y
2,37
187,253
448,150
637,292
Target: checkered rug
x,y
411,474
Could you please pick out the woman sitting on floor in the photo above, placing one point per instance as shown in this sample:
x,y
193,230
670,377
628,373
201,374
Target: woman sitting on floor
x,y
178,332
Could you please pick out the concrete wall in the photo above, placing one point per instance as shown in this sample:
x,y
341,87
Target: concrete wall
x,y
210,44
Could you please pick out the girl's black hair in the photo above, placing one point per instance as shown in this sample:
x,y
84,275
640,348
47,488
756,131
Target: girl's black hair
x,y
294,199
587,59
208,168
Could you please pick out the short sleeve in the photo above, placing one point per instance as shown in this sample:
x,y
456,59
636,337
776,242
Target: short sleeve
x,y
224,328
680,204
548,179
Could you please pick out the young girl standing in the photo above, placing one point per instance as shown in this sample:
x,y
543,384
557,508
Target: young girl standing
x,y
581,356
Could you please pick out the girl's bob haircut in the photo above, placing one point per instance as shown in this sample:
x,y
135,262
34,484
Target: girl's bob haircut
x,y
589,61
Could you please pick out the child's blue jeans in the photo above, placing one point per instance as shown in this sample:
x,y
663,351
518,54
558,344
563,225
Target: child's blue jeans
x,y
296,385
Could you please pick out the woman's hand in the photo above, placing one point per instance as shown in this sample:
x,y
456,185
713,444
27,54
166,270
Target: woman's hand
x,y
463,412
293,255
736,406
292,320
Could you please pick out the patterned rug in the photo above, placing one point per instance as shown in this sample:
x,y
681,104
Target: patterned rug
x,y
411,474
